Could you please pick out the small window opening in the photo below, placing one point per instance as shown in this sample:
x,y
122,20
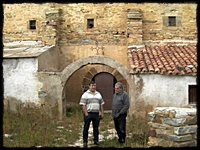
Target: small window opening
x,y
90,23
32,24
171,21
192,94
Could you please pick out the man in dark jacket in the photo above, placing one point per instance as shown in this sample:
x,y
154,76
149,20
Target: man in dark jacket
x,y
120,106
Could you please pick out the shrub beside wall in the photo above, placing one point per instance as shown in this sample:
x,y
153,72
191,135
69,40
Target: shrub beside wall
x,y
172,127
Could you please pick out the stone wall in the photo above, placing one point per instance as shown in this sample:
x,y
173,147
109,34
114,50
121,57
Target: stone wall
x,y
113,22
50,60
116,26
172,127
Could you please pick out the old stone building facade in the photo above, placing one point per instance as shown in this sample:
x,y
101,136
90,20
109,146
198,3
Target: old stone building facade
x,y
79,42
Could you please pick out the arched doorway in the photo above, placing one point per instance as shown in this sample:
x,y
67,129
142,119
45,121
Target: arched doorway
x,y
105,85
119,71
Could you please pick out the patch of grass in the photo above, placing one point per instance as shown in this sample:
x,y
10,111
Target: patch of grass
x,y
32,126
136,132
74,110
137,129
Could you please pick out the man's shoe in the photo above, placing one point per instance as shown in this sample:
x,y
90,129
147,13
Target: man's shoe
x,y
121,141
96,143
85,145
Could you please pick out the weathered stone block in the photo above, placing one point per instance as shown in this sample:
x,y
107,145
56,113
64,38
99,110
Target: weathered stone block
x,y
153,141
159,126
150,116
174,121
172,127
191,120
173,137
185,130
164,131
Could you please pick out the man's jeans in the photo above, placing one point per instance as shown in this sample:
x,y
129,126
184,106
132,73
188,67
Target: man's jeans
x,y
120,127
94,117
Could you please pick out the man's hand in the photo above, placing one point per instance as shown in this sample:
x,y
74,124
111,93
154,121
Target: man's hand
x,y
86,114
117,115
100,115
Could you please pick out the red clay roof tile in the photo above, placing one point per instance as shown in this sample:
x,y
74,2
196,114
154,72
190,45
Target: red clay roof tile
x,y
164,59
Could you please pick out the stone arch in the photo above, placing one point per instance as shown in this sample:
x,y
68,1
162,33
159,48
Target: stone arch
x,y
71,68
94,71
118,70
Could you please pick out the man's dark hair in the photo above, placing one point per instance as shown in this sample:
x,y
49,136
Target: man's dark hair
x,y
92,82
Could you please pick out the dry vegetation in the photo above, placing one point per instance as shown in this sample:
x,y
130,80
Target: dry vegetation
x,y
32,126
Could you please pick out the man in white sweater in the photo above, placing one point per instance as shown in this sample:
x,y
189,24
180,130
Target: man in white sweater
x,y
92,105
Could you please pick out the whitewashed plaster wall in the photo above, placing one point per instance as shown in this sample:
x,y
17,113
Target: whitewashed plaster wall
x,y
163,90
20,79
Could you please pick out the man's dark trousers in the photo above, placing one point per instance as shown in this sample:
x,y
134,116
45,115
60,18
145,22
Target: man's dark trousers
x,y
120,126
94,117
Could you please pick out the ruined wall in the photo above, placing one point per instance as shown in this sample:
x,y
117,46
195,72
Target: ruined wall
x,y
110,21
73,53
49,60
154,21
20,79
22,62
172,127
116,25
16,23
160,90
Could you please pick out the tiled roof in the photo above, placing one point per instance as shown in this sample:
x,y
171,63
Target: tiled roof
x,y
164,59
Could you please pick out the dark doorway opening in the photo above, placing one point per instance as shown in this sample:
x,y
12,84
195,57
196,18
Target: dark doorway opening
x,y
192,94
105,85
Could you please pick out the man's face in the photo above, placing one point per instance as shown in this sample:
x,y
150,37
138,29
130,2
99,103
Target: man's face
x,y
117,89
92,87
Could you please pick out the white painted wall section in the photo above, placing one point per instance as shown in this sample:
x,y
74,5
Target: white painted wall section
x,y
20,79
165,90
